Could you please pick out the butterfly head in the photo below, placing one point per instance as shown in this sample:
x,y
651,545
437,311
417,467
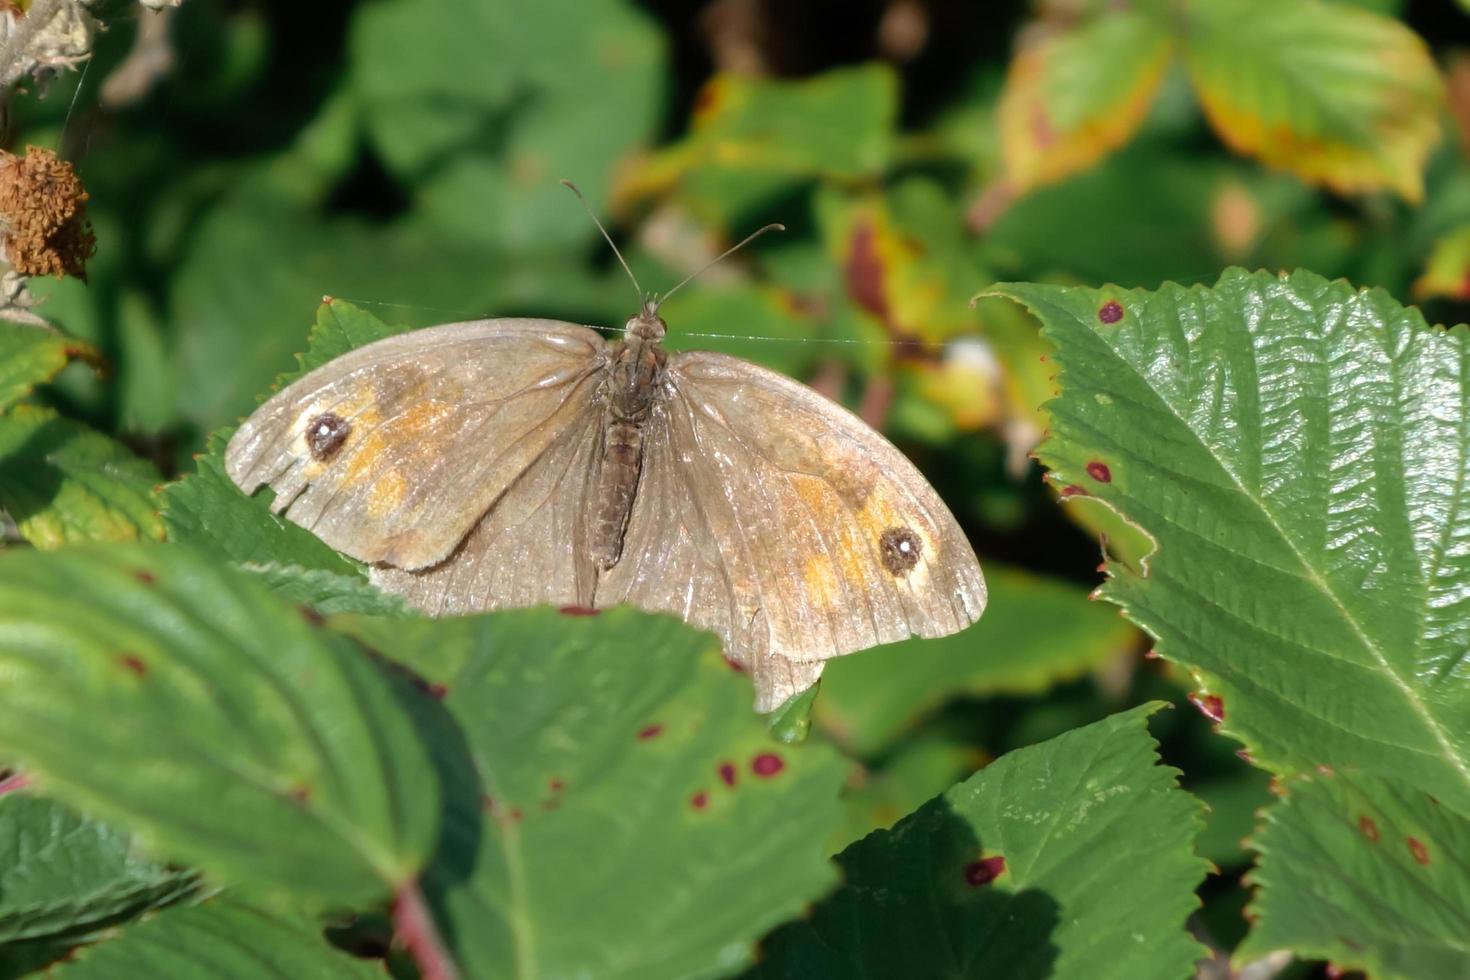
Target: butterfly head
x,y
647,324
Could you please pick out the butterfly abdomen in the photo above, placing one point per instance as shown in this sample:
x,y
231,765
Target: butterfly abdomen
x,y
617,484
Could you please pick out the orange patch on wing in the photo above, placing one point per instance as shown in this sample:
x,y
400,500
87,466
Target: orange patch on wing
x,y
408,440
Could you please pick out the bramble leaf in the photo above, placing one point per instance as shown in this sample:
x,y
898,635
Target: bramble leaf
x,y
1299,451
32,355
183,701
627,815
65,483
1029,868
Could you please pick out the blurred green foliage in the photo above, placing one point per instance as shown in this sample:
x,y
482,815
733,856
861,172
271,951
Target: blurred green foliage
x,y
404,155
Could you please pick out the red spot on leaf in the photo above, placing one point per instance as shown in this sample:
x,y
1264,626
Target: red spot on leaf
x,y
1417,848
727,773
1073,490
699,800
735,666
300,794
133,663
516,815
436,690
984,871
487,803
1099,471
312,617
1110,312
579,611
144,576
13,782
864,273
1209,705
767,764
556,784
650,731
1369,828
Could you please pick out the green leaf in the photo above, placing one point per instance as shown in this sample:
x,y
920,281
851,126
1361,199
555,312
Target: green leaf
x,y
918,769
64,875
31,355
754,138
1339,96
1299,452
328,593
1035,632
556,84
1068,858
633,818
226,937
182,701
63,482
1367,873
1076,94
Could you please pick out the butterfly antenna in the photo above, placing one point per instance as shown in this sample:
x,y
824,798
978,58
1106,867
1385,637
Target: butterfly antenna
x,y
613,245
732,249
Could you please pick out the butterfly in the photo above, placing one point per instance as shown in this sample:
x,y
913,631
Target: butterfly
x,y
515,462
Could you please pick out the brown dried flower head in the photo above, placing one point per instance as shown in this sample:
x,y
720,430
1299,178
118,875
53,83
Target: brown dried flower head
x,y
43,206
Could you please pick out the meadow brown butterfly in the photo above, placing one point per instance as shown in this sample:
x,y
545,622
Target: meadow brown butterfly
x,y
515,462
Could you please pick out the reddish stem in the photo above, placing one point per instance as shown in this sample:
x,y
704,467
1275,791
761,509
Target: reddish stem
x,y
413,924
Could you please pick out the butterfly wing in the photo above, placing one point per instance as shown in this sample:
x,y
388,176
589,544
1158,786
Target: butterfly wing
x,y
782,522
393,452
530,548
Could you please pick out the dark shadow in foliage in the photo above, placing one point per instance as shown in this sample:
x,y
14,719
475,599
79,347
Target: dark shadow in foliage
x,y
923,899
462,825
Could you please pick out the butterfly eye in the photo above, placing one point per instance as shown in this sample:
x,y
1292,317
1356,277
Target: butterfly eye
x,y
325,434
900,548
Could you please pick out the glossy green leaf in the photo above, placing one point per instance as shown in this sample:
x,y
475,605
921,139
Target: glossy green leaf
x,y
64,483
633,818
1367,873
62,875
1035,632
32,355
184,702
1298,450
1069,858
225,938
1339,96
559,89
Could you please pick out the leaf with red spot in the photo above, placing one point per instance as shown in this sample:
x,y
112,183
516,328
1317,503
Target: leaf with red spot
x,y
1075,93
670,786
253,744
1367,873
1340,96
1069,858
1300,453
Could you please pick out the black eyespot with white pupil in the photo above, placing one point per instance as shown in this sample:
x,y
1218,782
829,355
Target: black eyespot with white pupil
x,y
325,434
900,549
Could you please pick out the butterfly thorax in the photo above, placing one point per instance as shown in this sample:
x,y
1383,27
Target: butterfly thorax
x,y
633,382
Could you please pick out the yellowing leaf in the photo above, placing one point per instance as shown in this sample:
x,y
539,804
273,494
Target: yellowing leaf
x,y
64,483
31,355
1077,94
1448,271
1337,95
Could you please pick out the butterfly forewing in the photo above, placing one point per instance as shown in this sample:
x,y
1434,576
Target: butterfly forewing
x,y
393,452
